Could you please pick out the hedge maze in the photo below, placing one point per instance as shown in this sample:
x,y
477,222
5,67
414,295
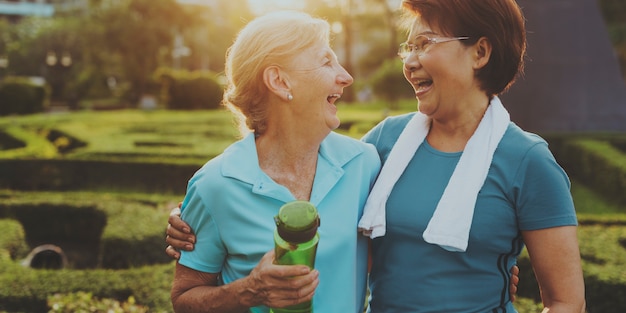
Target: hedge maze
x,y
100,186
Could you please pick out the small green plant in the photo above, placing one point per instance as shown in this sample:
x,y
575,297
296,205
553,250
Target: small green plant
x,y
83,302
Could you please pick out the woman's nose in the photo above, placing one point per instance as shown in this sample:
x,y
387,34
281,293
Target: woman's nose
x,y
411,62
345,78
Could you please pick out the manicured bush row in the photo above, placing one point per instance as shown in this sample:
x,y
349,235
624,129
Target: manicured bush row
x,y
603,252
63,174
26,290
95,230
596,162
602,248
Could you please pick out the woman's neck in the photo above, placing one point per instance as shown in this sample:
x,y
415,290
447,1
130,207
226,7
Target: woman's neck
x,y
451,135
290,160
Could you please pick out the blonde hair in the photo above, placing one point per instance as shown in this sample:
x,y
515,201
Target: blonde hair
x,y
271,39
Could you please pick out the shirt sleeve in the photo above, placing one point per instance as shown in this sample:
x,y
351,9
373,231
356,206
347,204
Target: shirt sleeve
x,y
209,252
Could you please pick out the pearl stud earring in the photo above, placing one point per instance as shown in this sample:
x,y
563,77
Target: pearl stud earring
x,y
289,97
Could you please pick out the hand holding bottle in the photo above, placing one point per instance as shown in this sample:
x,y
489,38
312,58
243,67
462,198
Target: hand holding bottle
x,y
279,286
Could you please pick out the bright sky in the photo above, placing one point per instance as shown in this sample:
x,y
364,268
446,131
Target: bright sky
x,y
263,6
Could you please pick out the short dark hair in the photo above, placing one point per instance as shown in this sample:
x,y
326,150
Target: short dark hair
x,y
500,21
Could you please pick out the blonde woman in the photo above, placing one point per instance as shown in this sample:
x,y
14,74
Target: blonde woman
x,y
283,80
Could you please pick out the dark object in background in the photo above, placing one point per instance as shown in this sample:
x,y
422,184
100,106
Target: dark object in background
x,y
46,257
572,80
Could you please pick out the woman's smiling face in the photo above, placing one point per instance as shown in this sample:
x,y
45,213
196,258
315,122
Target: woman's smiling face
x,y
441,74
318,81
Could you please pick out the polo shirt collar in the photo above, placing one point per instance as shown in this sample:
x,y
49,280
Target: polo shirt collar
x,y
240,161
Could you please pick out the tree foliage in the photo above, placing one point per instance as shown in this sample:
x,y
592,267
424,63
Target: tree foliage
x,y
389,83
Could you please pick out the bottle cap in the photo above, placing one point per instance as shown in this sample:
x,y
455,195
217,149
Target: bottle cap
x,y
297,221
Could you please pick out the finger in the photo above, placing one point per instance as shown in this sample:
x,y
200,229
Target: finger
x,y
513,293
515,270
281,271
289,271
179,235
513,288
178,244
291,296
172,253
514,280
307,285
176,222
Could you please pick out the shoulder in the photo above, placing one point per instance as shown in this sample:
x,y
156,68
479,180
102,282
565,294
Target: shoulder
x,y
236,158
519,143
385,134
210,169
342,150
529,155
348,145
393,124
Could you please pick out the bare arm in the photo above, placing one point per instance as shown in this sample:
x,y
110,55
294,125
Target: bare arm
x,y
268,284
555,258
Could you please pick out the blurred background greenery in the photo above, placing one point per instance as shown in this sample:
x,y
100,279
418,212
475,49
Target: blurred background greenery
x,y
112,53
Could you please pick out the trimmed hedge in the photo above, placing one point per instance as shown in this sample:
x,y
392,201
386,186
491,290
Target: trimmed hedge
x,y
21,96
602,241
62,174
35,146
184,90
596,161
95,229
13,239
122,230
26,290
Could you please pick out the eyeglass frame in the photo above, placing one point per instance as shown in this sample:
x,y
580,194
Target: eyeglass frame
x,y
412,49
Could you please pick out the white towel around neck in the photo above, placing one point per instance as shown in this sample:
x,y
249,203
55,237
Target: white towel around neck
x,y
451,222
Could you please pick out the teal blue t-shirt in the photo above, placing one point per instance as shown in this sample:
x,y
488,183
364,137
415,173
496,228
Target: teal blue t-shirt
x,y
525,190
230,204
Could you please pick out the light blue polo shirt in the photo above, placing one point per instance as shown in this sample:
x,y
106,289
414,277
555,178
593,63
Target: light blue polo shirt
x,y
230,205
525,189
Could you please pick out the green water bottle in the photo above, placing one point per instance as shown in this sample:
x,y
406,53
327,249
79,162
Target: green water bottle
x,y
296,241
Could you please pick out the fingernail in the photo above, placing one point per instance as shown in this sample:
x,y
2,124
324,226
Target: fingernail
x,y
191,239
186,230
189,247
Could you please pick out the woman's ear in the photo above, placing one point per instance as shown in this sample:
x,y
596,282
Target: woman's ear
x,y
277,82
482,52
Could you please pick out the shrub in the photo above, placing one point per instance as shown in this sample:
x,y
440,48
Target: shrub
x,y
86,302
389,83
28,290
60,174
21,96
603,260
190,90
596,162
93,229
13,239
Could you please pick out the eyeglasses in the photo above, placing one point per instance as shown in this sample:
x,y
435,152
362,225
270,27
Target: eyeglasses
x,y
422,42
